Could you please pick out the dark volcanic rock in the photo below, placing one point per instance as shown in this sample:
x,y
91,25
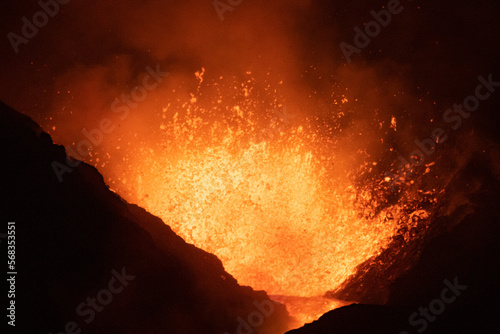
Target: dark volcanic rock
x,y
466,253
73,237
358,319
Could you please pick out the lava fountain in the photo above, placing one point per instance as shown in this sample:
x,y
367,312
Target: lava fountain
x,y
233,171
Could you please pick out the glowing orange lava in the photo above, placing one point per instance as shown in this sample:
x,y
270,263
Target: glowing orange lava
x,y
233,177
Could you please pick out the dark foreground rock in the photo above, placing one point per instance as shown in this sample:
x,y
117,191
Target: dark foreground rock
x,y
453,286
88,262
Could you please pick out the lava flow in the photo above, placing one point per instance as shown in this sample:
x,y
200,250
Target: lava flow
x,y
236,173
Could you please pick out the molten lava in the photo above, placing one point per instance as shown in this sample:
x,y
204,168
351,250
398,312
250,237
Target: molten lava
x,y
234,173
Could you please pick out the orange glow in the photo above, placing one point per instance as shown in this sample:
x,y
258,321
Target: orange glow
x,y
265,213
231,175
307,309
